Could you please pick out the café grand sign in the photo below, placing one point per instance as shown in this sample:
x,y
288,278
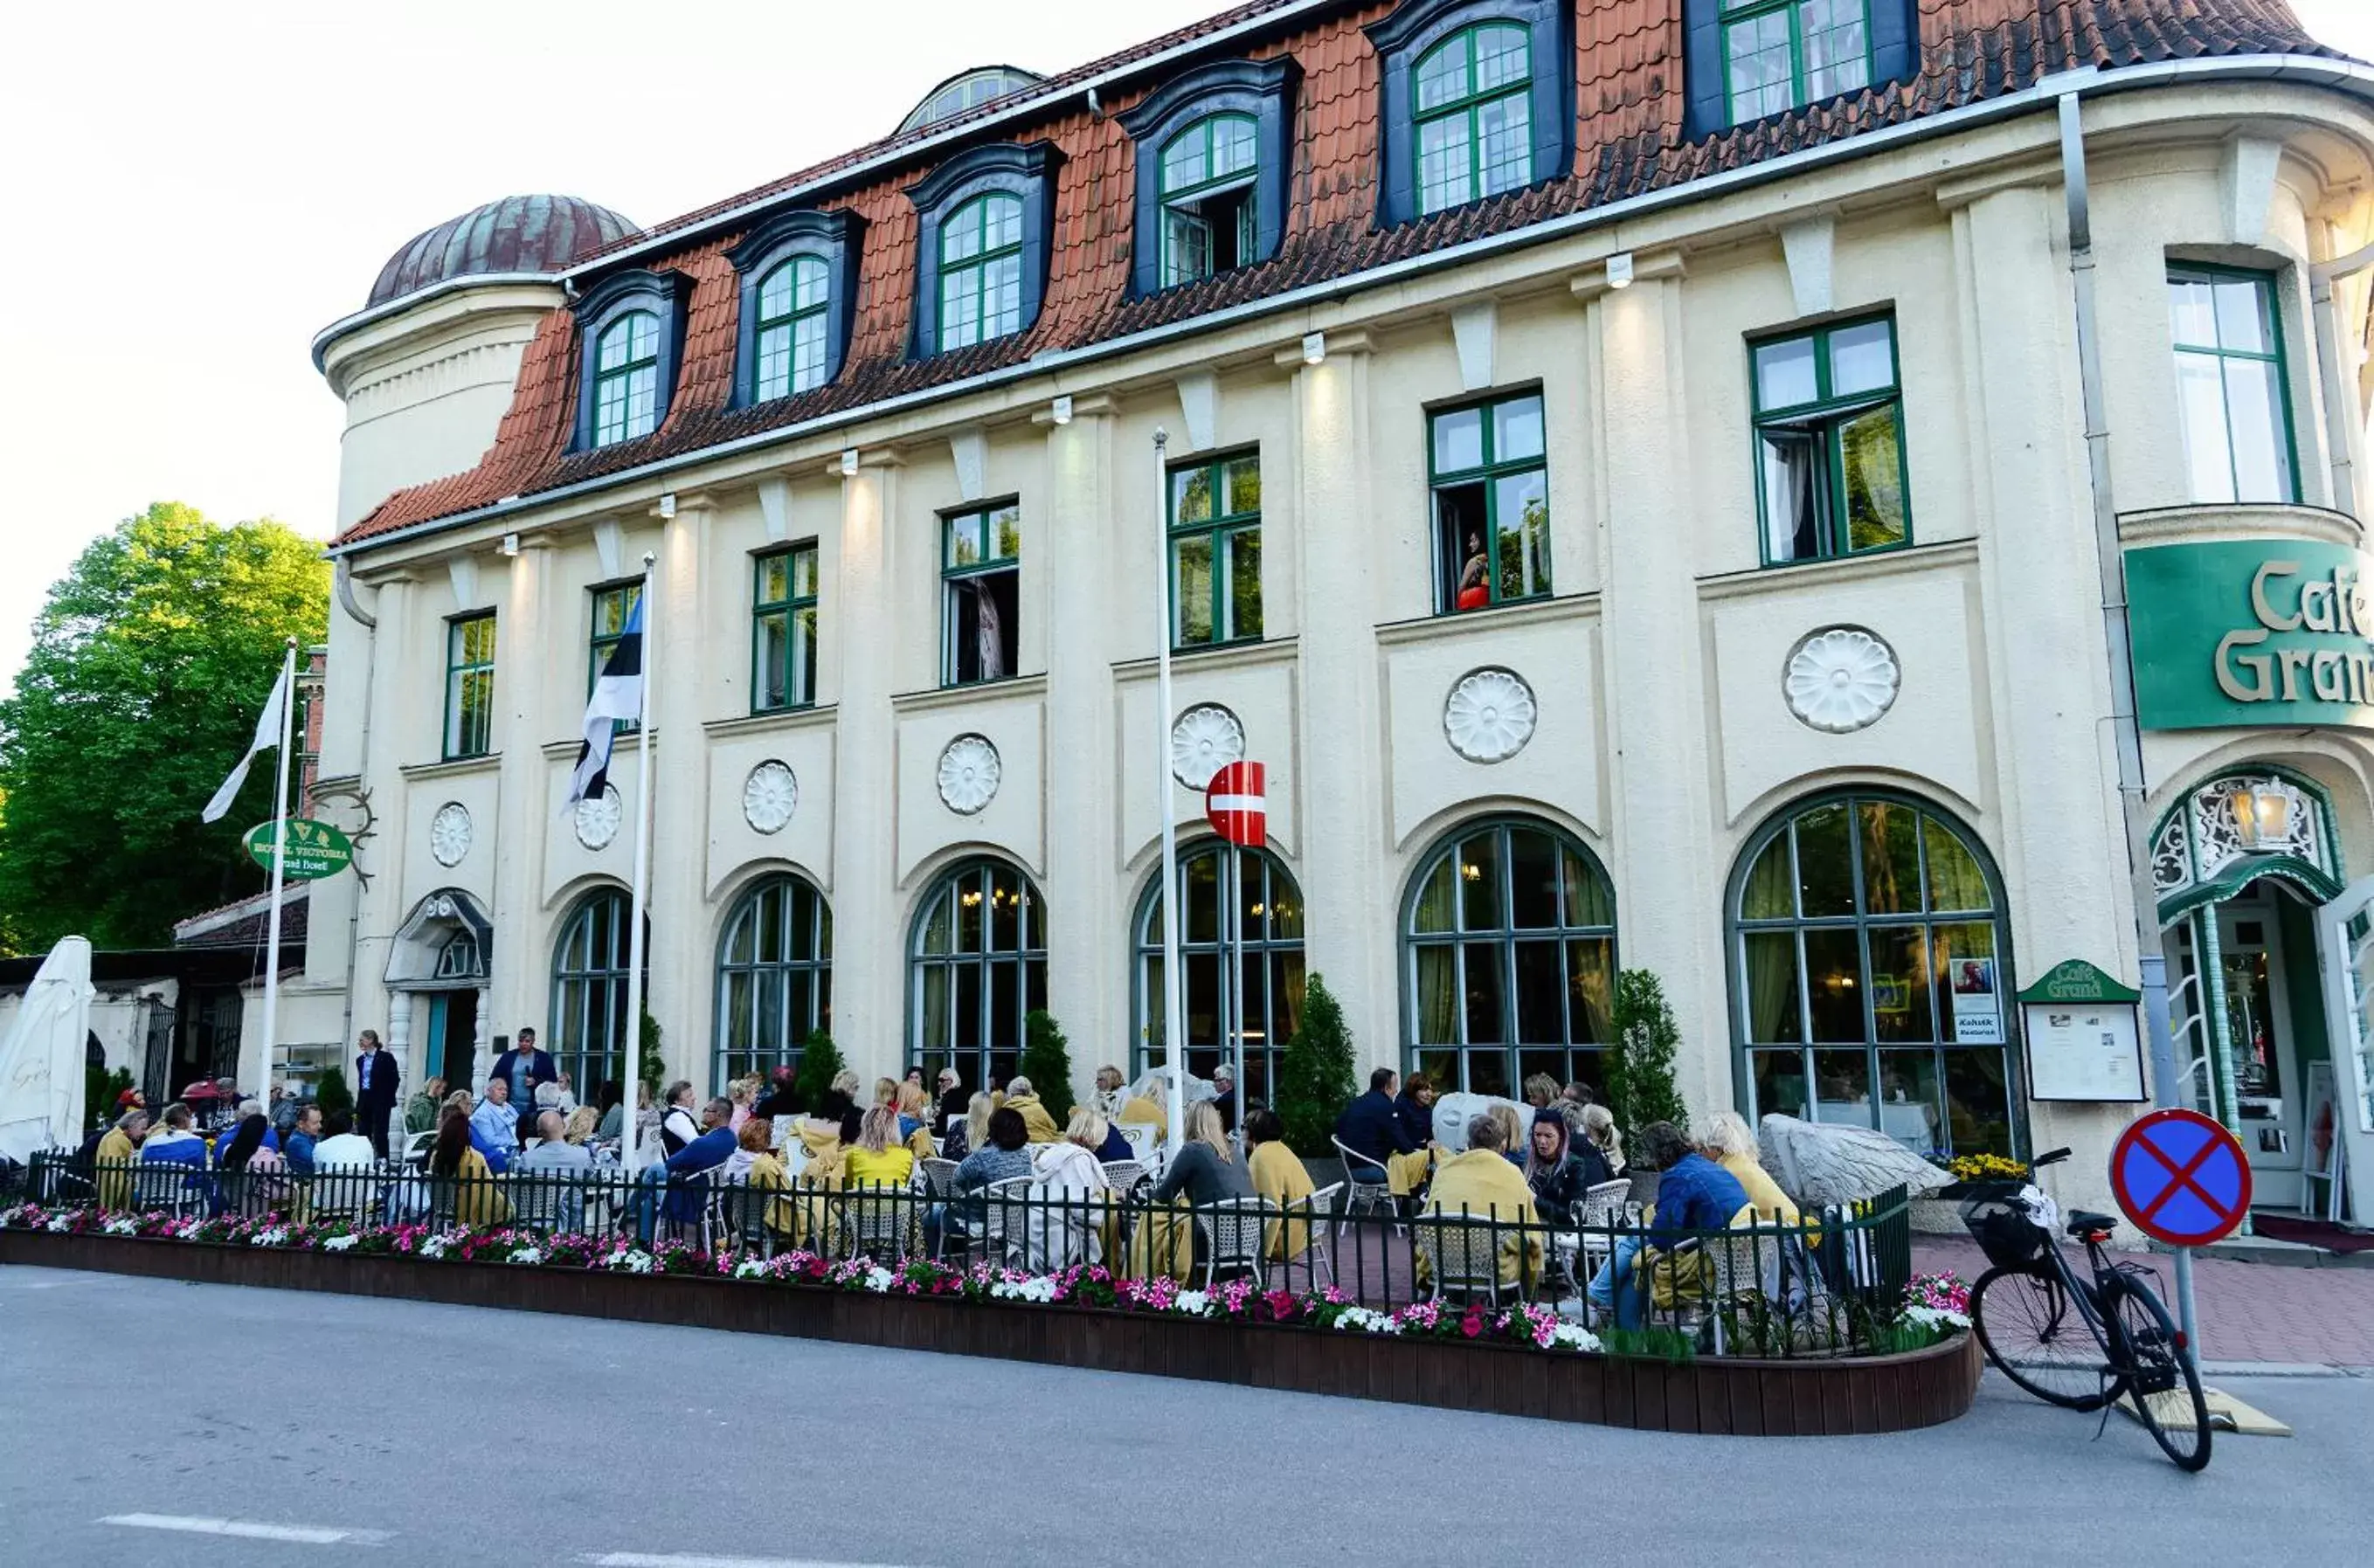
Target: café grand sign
x,y
2257,632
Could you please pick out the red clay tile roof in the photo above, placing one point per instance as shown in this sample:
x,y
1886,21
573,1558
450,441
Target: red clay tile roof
x,y
1630,102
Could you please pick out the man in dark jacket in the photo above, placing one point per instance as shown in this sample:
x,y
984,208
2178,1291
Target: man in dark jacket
x,y
376,1078
523,1066
1369,1129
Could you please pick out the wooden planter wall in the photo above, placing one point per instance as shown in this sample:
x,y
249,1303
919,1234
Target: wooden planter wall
x,y
1775,1399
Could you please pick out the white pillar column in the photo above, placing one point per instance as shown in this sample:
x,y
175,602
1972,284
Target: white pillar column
x,y
517,972
869,1016
1663,842
401,669
681,955
412,1064
1349,935
1088,936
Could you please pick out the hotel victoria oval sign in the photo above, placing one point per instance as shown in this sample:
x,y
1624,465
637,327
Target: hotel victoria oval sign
x,y
2245,633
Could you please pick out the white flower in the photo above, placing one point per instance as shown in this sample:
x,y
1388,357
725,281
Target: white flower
x,y
527,1255
340,1244
1037,1288
629,1260
1574,1337
433,1247
878,1280
124,1225
750,1269
1193,1303
275,1236
62,1224
1936,1317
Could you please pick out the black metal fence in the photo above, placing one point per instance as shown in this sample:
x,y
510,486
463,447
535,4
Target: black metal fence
x,y
1831,1282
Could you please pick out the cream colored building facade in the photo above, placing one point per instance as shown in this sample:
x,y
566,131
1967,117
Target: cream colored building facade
x,y
1664,737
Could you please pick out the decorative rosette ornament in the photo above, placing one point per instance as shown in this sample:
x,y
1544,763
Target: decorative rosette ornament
x,y
449,833
1490,715
598,817
1841,679
1205,739
970,772
769,796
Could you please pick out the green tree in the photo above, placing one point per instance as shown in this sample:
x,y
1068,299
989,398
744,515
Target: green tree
x,y
820,1063
650,1054
1315,1072
1641,1069
1046,1062
331,1094
149,663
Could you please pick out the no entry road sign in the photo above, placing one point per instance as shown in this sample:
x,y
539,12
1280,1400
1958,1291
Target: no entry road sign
x,y
2181,1177
1236,803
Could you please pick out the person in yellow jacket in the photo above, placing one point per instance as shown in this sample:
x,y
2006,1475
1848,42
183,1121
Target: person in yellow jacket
x,y
1024,1100
1145,1108
116,1152
879,1159
1279,1177
1729,1143
766,1174
1480,1183
808,1217
476,1200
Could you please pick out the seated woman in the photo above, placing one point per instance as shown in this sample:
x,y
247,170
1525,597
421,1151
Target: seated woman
x,y
750,1140
1540,1090
969,1130
1110,1096
1559,1175
1728,1142
1205,1168
1478,1183
914,1120
1694,1196
455,1160
763,1172
879,1159
1069,1224
1003,1155
839,1103
1278,1176
581,1125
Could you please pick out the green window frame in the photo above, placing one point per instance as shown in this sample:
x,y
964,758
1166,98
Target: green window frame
x,y
613,603
783,629
626,378
1270,982
1872,976
1488,467
1473,114
1831,478
981,584
1216,544
976,969
1783,54
1206,180
1508,958
791,325
588,1028
774,977
2233,388
980,271
469,686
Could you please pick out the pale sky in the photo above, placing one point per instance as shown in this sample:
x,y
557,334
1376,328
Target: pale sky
x,y
191,192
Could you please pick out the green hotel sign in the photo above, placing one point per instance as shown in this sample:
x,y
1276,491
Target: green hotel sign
x,y
315,850
2263,632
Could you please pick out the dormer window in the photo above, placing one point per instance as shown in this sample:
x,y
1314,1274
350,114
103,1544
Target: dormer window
x,y
626,378
983,237
981,272
630,329
1478,101
1745,60
796,270
1212,157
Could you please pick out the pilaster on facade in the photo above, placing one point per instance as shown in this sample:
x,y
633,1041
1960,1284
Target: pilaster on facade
x,y
681,932
517,973
868,970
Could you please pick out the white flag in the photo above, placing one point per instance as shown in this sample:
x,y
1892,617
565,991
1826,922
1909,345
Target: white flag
x,y
267,735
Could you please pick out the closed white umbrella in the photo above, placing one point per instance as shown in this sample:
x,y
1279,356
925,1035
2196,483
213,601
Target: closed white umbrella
x,y
42,1061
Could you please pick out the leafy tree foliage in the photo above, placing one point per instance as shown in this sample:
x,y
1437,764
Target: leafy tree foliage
x,y
1315,1074
150,661
820,1063
1641,1069
1046,1062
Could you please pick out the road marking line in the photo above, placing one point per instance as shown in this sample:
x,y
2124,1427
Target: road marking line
x,y
307,1535
681,1559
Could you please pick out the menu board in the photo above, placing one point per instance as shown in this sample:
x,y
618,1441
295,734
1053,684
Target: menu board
x,y
2083,1050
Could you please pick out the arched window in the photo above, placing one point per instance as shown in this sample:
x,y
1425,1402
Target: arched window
x,y
1208,198
791,341
589,1034
1870,961
1269,984
774,977
980,271
1473,114
1509,962
978,963
626,378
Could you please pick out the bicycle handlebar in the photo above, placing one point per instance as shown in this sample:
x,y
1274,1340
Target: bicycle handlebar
x,y
2041,1161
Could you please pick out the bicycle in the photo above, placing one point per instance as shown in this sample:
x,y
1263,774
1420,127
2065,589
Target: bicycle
x,y
2075,1342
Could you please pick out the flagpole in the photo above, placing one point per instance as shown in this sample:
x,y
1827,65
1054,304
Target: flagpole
x,y
1237,982
1174,1011
280,868
629,1150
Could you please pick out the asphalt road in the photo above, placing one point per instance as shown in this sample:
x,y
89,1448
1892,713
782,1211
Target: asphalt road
x,y
140,1420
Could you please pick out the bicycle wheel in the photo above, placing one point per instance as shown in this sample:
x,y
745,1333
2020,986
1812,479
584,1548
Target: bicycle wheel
x,y
2158,1375
2041,1337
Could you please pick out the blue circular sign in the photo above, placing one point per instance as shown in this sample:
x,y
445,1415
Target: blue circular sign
x,y
2181,1177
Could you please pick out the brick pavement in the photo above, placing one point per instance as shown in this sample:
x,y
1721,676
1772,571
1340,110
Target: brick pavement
x,y
2249,1312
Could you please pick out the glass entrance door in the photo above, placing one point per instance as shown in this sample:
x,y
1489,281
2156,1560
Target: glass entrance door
x,y
453,1037
2254,1067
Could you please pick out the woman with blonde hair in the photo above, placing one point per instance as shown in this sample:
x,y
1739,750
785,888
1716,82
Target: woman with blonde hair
x,y
1205,1169
1730,1143
1512,1132
1279,1177
1110,1095
1071,1224
743,1092
914,1125
1599,1127
1540,1090
579,1125
969,1134
879,1159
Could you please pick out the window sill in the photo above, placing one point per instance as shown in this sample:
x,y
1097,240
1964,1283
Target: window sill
x,y
2240,520
557,750
1521,611
808,716
452,766
1217,656
972,692
1839,569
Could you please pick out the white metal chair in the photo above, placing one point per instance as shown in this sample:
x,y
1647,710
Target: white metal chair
x,y
1123,1175
1465,1257
1315,1210
936,1178
1144,1140
878,1223
417,1147
1601,1208
164,1189
1234,1232
1371,1187
1000,1207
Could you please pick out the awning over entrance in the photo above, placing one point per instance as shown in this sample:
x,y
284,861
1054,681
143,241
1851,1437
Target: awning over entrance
x,y
444,942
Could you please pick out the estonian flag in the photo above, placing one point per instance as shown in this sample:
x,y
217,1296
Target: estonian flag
x,y
617,696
